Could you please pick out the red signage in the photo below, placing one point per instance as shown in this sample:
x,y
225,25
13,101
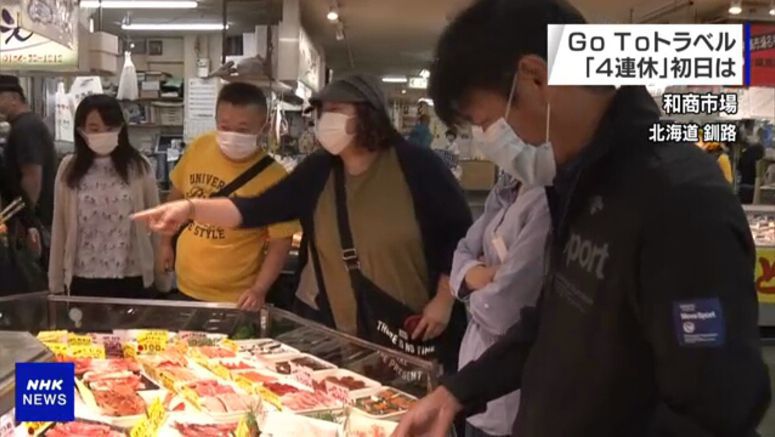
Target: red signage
x,y
763,55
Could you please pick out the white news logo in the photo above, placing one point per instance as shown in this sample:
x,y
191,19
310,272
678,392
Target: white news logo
x,y
44,399
640,54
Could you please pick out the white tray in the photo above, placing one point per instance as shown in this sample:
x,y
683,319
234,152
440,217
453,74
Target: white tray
x,y
371,385
393,417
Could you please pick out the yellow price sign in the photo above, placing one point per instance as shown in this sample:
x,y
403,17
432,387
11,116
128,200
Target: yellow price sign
x,y
130,350
157,414
765,274
191,396
52,336
219,370
78,340
35,428
270,397
96,351
245,384
60,350
230,345
142,429
243,429
166,380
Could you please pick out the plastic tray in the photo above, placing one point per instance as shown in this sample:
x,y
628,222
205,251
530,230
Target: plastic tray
x,y
245,345
393,416
371,385
271,362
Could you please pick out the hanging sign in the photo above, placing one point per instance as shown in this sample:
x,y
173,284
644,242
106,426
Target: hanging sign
x,y
55,20
24,50
762,61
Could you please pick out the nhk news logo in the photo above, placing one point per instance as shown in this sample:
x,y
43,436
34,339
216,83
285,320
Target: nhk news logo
x,y
45,392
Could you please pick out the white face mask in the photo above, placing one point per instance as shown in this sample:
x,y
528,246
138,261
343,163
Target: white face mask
x,y
236,145
531,165
102,143
331,131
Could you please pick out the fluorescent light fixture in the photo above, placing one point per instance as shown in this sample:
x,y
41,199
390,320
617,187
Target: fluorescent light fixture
x,y
174,26
403,91
736,7
772,8
425,74
395,79
91,25
332,15
139,4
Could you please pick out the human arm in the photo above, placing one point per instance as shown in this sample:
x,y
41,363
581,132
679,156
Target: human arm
x,y
166,249
697,250
56,268
32,181
519,279
276,256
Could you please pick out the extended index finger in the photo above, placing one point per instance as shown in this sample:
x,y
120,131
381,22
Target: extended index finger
x,y
147,215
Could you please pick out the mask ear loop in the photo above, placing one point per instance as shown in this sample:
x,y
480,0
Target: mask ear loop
x,y
511,96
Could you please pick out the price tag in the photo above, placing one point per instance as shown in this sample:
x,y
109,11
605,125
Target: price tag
x,y
245,384
78,340
60,350
219,370
157,414
111,342
243,429
338,392
152,341
191,396
52,336
6,424
96,351
141,429
270,397
130,350
35,428
230,345
302,375
166,380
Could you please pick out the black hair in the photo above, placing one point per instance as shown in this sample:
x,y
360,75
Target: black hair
x,y
374,130
451,132
242,94
125,157
480,48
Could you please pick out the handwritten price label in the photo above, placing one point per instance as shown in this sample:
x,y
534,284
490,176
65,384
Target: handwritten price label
x,y
191,396
111,342
35,428
245,384
243,430
270,397
338,392
6,425
60,350
166,380
219,370
78,340
230,345
152,341
157,414
130,350
303,375
52,336
96,351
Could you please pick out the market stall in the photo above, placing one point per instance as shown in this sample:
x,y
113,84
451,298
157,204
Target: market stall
x,y
206,368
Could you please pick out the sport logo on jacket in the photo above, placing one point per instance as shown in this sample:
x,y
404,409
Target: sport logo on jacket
x,y
585,253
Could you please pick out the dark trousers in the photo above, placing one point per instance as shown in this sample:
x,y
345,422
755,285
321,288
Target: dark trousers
x,y
125,288
472,431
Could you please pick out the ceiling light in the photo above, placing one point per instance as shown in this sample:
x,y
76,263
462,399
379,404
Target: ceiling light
x,y
139,4
403,91
332,15
174,26
772,8
736,7
425,74
395,79
91,25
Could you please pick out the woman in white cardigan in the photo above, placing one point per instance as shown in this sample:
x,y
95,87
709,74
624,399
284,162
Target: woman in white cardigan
x,y
96,249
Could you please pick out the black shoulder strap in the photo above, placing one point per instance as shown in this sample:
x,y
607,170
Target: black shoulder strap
x,y
244,178
349,254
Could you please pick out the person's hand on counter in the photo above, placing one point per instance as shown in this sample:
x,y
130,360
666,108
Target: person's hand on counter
x,y
436,314
252,299
431,416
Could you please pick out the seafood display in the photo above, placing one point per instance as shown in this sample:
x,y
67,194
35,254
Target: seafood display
x,y
81,429
762,228
385,403
196,430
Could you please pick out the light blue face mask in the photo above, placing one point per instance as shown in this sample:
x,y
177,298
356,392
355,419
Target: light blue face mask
x,y
531,165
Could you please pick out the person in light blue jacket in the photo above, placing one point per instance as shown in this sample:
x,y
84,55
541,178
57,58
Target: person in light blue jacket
x,y
497,270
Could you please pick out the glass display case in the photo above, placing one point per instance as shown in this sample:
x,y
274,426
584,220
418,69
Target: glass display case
x,y
23,315
761,219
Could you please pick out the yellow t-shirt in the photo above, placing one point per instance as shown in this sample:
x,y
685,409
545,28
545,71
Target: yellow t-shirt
x,y
216,264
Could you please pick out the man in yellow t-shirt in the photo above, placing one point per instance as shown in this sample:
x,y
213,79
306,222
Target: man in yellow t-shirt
x,y
228,265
